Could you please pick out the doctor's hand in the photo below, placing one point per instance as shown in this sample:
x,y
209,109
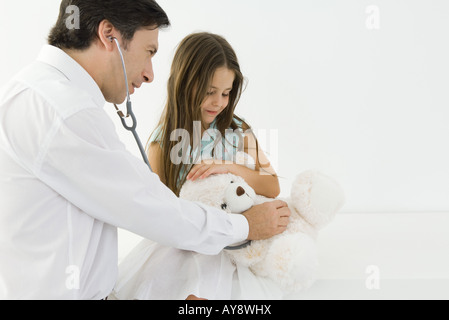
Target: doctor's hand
x,y
267,220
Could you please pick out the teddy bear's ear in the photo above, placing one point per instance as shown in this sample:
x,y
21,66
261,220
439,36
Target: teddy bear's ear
x,y
209,191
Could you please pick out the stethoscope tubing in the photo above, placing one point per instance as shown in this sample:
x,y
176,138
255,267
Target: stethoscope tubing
x,y
129,111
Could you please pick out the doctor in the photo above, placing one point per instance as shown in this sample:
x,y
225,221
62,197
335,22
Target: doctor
x,y
67,182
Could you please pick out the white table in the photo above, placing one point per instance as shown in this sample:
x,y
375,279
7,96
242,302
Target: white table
x,y
374,256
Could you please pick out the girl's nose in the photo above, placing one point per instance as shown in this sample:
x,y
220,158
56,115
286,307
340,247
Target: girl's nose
x,y
218,101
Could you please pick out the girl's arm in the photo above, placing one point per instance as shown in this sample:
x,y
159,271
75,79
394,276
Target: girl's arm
x,y
154,156
263,179
264,185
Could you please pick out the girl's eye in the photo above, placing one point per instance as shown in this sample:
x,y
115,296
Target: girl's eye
x,y
225,94
210,93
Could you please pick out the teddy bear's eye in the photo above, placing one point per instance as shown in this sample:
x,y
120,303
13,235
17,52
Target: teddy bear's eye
x,y
232,181
224,206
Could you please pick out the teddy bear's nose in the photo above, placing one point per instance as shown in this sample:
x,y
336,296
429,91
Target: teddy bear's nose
x,y
240,191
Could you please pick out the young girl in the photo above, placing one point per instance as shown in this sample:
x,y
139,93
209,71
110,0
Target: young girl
x,y
205,85
203,91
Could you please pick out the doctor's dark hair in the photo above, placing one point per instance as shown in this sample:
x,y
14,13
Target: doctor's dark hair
x,y
127,16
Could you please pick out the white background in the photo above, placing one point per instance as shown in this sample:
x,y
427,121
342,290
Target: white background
x,y
369,107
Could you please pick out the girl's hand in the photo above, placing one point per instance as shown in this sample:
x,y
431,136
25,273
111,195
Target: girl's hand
x,y
205,169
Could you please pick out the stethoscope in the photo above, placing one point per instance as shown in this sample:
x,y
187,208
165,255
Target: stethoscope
x,y
132,128
129,110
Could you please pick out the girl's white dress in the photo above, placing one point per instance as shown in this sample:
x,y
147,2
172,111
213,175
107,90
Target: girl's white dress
x,y
155,272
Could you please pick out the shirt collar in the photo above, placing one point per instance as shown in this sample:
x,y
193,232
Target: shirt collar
x,y
73,71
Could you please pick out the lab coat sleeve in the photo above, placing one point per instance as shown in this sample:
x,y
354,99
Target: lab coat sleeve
x,y
82,159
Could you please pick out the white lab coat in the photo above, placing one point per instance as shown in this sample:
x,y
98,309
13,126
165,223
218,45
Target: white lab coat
x,y
67,183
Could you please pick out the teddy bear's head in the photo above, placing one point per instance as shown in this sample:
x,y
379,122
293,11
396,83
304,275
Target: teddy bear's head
x,y
226,191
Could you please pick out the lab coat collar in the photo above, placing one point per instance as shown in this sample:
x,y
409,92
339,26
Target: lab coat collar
x,y
73,71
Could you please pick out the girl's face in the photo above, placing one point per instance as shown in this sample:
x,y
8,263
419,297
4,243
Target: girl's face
x,y
217,98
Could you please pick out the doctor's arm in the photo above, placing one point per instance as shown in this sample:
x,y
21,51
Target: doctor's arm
x,y
85,162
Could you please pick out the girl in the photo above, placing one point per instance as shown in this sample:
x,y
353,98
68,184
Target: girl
x,y
205,86
203,91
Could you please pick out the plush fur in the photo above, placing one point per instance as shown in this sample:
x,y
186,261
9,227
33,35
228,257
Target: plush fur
x,y
290,258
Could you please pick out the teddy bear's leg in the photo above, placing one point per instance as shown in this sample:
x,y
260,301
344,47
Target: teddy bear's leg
x,y
291,262
316,197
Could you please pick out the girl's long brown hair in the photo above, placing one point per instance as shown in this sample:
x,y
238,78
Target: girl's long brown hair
x,y
197,58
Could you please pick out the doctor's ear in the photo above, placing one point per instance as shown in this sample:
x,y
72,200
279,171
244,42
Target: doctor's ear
x,y
108,43
106,34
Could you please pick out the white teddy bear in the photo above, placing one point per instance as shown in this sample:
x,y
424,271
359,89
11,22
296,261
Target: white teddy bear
x,y
290,259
